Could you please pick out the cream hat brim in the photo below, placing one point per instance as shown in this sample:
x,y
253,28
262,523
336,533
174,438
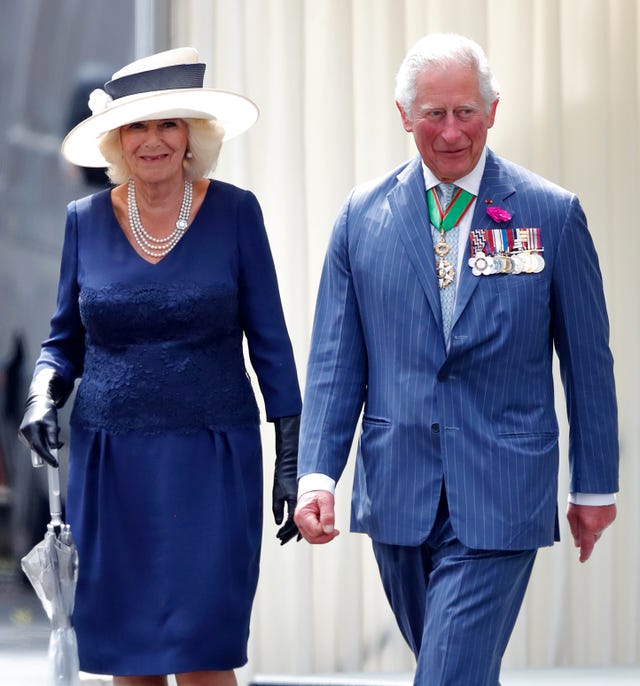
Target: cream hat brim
x,y
234,112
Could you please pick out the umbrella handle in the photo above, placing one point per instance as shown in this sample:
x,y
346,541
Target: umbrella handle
x,y
55,502
53,478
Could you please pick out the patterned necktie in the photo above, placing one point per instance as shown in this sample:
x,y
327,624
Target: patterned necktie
x,y
448,295
445,190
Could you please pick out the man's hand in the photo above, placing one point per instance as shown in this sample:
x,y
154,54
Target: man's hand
x,y
315,516
587,523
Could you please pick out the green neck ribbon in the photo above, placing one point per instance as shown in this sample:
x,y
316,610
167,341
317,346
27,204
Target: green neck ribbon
x,y
460,203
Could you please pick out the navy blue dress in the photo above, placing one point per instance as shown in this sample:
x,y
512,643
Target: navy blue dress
x,y
165,470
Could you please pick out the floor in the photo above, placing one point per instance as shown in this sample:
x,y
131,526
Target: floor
x,y
27,668
610,676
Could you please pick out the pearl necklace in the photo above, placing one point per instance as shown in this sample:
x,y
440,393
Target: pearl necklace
x,y
158,247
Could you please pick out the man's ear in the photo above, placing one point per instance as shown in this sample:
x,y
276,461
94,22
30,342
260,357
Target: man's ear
x,y
492,113
406,122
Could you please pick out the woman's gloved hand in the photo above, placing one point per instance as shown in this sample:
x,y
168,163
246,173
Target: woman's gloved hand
x,y
39,428
285,480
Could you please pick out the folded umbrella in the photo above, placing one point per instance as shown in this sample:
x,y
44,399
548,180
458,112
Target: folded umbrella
x,y
52,568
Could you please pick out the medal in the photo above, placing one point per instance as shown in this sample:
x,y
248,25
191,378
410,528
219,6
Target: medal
x,y
507,265
443,221
444,273
516,262
537,263
479,264
444,269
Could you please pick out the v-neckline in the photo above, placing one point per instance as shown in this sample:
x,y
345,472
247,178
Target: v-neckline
x,y
131,245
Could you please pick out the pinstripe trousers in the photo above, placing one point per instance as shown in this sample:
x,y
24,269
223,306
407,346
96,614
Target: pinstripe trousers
x,y
456,606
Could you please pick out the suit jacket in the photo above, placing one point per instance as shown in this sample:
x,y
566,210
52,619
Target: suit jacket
x,y
479,416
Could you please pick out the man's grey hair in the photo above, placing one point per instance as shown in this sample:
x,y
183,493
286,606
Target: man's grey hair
x,y
438,51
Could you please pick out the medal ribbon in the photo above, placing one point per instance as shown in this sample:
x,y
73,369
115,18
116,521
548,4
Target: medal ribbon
x,y
460,203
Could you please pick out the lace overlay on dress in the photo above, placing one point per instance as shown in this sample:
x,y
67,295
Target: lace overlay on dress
x,y
163,357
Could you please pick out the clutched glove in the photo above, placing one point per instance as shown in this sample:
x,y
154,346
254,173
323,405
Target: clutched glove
x,y
39,428
285,479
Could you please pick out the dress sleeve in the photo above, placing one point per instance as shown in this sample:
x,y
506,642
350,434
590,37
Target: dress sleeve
x,y
64,349
261,314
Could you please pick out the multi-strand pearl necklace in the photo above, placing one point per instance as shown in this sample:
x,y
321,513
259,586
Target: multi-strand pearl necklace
x,y
158,247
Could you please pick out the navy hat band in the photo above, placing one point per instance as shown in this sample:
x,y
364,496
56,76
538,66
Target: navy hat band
x,y
164,78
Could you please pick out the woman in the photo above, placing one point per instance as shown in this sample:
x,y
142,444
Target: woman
x,y
161,278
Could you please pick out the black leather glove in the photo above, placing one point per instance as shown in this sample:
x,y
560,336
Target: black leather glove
x,y
285,479
39,428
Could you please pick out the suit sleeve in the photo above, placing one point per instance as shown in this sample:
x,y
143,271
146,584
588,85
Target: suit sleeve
x,y
337,369
581,336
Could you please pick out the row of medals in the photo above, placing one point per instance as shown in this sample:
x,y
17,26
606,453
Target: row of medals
x,y
520,255
523,259
521,262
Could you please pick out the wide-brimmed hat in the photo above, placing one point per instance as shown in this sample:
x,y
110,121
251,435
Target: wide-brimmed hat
x,y
166,85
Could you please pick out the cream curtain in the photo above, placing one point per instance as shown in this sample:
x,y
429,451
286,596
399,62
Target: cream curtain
x,y
322,72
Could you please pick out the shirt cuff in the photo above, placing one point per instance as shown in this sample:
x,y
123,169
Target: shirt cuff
x,y
597,499
316,482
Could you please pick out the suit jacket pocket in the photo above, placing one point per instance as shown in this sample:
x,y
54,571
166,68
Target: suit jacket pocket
x,y
375,421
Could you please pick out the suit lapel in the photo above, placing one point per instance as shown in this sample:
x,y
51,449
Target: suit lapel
x,y
495,186
408,206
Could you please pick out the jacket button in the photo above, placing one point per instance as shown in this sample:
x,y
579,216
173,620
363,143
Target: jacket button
x,y
435,427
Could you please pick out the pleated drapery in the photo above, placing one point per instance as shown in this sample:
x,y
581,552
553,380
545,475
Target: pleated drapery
x,y
322,73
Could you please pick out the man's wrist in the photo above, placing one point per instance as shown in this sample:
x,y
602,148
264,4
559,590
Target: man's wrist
x,y
593,499
316,482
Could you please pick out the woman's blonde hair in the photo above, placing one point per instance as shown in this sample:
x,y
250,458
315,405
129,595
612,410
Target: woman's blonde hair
x,y
205,140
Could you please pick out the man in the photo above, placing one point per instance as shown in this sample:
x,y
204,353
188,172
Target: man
x,y
451,358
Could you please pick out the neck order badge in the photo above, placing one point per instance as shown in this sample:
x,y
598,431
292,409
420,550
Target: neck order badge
x,y
444,220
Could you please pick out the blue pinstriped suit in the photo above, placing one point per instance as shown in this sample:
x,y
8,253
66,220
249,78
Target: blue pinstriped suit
x,y
377,340
477,417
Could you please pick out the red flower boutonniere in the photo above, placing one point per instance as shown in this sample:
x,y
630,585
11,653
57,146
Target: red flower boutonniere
x,y
498,214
